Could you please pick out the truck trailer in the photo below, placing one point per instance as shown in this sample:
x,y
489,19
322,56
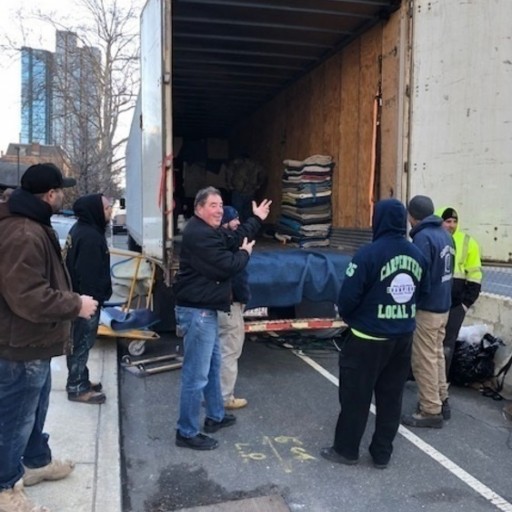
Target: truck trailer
x,y
408,97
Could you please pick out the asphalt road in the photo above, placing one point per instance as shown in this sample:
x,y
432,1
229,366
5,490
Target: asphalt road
x,y
497,280
274,447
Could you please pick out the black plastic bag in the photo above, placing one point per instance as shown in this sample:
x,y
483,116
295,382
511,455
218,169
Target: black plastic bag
x,y
474,362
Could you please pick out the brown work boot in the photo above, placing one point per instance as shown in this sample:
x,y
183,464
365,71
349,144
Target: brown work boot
x,y
235,403
56,470
15,500
422,419
507,412
89,397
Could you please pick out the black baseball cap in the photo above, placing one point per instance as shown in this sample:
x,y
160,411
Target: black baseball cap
x,y
41,178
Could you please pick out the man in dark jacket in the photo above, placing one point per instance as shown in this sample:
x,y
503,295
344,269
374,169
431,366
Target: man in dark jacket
x,y
378,302
209,258
37,307
231,324
88,262
428,363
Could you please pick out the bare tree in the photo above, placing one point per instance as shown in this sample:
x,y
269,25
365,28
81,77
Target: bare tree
x,y
94,86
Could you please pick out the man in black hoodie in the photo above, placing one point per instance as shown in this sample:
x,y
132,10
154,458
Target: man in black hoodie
x,y
88,261
378,302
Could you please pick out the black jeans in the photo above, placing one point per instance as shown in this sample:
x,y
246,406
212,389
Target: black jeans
x,y
367,367
84,337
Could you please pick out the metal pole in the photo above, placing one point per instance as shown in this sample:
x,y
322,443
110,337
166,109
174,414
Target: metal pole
x,y
18,166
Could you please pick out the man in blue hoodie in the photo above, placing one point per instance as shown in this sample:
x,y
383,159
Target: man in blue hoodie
x,y
378,302
428,363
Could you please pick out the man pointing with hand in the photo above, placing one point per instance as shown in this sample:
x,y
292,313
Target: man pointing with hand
x,y
209,258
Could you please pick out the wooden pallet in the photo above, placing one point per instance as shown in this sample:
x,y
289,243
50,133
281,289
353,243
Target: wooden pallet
x,y
296,324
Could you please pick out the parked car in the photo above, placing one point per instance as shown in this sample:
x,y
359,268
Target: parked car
x,y
62,224
119,224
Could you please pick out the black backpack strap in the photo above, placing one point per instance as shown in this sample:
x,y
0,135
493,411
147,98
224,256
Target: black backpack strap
x,y
500,376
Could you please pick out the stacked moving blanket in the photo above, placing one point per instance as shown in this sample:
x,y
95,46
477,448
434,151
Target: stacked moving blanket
x,y
306,215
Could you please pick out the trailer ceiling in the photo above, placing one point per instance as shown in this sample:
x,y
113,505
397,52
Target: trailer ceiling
x,y
232,56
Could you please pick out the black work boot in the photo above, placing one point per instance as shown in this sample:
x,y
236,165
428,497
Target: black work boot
x,y
446,410
211,426
198,442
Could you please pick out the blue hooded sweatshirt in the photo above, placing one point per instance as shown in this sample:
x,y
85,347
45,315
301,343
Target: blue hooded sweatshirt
x,y
379,293
436,244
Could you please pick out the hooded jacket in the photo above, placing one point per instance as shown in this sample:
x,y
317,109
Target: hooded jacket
x,y
86,252
209,258
240,289
467,276
438,248
383,281
36,301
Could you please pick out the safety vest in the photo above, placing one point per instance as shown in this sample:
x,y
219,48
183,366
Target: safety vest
x,y
468,265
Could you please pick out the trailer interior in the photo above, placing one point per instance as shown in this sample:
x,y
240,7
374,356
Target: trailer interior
x,y
286,79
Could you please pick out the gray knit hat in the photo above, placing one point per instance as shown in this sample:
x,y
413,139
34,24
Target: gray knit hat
x,y
420,207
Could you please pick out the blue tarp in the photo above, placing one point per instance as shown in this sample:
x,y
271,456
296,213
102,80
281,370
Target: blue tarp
x,y
119,320
280,278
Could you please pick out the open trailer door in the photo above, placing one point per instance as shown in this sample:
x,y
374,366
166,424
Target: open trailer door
x,y
156,131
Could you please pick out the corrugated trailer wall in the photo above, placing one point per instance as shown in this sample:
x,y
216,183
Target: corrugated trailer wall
x,y
331,111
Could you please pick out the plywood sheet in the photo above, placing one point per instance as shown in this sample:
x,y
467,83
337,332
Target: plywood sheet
x,y
369,87
316,124
390,113
349,131
330,111
332,142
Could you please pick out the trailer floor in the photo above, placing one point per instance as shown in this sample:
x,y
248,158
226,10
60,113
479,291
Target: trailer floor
x,y
273,450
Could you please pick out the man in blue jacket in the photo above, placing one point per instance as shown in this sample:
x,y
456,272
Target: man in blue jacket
x,y
378,302
428,362
209,258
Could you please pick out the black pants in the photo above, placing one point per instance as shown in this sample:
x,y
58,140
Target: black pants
x,y
368,366
455,319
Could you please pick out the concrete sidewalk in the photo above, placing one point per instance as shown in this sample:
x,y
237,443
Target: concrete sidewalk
x,y
88,435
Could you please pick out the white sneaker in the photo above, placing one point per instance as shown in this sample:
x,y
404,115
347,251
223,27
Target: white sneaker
x,y
15,500
56,470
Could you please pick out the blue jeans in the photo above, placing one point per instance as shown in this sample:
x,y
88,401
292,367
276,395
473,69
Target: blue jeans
x,y
24,396
200,374
84,336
